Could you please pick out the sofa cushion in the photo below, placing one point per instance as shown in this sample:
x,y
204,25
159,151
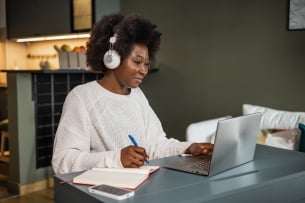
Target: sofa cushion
x,y
203,131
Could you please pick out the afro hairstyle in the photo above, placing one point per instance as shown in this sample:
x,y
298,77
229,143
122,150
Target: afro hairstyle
x,y
130,30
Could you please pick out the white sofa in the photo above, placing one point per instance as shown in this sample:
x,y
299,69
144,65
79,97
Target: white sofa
x,y
279,128
203,131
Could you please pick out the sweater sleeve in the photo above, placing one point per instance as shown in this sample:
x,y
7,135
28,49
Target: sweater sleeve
x,y
72,151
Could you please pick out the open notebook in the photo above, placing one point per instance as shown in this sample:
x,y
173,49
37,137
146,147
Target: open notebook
x,y
129,178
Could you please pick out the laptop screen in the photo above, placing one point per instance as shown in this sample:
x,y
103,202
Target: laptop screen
x,y
235,142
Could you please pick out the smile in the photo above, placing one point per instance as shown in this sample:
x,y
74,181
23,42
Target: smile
x,y
139,79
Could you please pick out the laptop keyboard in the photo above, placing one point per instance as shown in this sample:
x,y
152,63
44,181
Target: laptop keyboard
x,y
202,165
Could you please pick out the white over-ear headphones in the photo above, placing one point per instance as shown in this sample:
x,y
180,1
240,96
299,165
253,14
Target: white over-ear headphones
x,y
112,58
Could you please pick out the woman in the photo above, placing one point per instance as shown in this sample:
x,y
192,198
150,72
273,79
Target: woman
x,y
98,116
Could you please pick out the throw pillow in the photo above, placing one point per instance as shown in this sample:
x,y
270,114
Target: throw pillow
x,y
286,139
275,119
302,141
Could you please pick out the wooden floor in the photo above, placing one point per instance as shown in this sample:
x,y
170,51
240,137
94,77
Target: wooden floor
x,y
43,196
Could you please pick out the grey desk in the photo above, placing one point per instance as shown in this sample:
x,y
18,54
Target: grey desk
x,y
275,175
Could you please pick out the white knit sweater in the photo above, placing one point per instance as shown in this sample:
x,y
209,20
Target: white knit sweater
x,y
95,124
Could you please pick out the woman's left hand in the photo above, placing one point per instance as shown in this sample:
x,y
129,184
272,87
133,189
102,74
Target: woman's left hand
x,y
199,148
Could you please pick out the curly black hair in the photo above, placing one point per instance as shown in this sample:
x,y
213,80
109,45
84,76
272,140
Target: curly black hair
x,y
130,29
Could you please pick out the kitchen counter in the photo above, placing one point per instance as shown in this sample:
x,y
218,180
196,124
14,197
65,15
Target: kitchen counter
x,y
35,99
62,70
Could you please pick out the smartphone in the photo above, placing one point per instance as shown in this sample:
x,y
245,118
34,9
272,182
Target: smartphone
x,y
111,191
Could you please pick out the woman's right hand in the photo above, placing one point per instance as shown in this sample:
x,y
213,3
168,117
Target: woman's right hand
x,y
133,157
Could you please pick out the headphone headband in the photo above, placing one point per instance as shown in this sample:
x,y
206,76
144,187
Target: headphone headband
x,y
113,39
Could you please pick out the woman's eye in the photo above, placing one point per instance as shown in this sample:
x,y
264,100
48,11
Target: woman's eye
x,y
147,65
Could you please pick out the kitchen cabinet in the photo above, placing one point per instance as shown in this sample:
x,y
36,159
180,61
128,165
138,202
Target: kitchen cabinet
x,y
104,7
96,8
34,18
2,14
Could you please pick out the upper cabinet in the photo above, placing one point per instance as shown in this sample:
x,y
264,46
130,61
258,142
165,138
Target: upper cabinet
x,y
104,7
53,17
82,11
2,14
35,17
87,12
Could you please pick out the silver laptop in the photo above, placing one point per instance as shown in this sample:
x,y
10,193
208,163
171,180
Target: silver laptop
x,y
235,142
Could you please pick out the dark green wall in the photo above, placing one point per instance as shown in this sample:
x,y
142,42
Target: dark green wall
x,y
218,54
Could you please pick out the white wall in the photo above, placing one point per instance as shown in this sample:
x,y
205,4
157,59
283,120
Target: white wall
x,y
2,44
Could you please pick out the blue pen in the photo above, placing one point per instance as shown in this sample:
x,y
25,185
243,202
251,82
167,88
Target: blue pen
x,y
134,142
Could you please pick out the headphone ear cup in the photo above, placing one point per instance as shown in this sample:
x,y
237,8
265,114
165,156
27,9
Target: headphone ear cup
x,y
112,59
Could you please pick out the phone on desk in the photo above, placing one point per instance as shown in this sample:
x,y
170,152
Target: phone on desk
x,y
111,191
